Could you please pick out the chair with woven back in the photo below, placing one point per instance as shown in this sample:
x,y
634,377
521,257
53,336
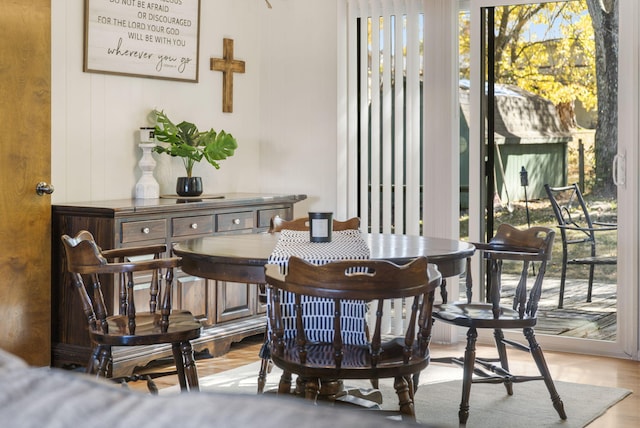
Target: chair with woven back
x,y
88,264
580,232
297,347
510,245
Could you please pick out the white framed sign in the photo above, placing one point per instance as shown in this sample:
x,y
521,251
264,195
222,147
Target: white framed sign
x,y
157,38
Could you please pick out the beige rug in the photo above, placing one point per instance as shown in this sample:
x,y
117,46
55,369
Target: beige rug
x,y
438,398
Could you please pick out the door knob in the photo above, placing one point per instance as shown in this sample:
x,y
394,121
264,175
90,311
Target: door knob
x,y
42,188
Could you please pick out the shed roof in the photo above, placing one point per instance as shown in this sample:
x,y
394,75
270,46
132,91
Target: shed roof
x,y
521,117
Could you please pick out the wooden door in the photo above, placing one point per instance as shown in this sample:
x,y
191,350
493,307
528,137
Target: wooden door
x,y
25,160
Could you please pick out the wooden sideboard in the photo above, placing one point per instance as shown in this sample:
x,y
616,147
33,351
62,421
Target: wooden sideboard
x,y
228,311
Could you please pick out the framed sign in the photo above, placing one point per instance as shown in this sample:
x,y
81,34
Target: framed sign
x,y
156,38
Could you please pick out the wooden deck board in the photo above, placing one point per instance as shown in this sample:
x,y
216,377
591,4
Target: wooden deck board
x,y
578,318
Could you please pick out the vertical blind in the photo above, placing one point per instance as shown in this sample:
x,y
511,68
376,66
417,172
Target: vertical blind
x,y
398,120
385,70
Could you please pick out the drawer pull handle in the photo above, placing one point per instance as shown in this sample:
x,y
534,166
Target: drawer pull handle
x,y
194,226
236,221
146,230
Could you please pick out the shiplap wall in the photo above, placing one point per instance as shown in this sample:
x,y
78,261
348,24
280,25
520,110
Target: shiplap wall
x,y
284,114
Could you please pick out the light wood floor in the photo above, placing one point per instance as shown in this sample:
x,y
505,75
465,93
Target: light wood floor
x,y
586,369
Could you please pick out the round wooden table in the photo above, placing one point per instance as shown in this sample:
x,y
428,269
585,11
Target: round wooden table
x,y
241,258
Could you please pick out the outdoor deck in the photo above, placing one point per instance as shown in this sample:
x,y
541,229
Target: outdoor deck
x,y
595,320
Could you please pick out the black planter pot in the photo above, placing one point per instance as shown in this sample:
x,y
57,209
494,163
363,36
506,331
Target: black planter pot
x,y
189,186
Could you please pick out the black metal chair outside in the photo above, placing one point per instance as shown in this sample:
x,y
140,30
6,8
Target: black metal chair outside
x,y
577,229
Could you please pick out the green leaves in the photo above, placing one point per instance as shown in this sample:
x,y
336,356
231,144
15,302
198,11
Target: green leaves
x,y
221,146
186,142
547,49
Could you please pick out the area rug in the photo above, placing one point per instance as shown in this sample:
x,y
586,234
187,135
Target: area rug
x,y
438,398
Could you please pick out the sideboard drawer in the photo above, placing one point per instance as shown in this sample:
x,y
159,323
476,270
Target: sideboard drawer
x,y
264,216
194,225
234,221
133,231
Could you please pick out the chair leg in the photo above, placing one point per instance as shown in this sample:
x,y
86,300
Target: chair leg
x,y
185,366
151,385
538,357
104,361
311,388
92,365
498,336
589,290
375,383
404,389
262,374
177,358
284,387
563,277
190,368
443,291
425,339
265,368
467,377
415,380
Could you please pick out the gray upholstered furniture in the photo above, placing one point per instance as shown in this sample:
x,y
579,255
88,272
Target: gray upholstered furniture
x,y
49,397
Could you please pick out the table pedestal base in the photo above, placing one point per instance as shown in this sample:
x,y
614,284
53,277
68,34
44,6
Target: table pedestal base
x,y
335,390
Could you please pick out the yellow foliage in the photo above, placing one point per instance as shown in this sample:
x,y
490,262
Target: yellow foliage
x,y
547,49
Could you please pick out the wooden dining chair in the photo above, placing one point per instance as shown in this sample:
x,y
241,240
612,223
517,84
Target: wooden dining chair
x,y
577,229
297,346
277,223
87,264
508,245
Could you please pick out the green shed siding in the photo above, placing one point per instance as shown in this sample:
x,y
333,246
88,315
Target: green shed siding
x,y
545,163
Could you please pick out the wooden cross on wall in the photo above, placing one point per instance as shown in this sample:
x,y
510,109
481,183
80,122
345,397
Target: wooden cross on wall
x,y
228,65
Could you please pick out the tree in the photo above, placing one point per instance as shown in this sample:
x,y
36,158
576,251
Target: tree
x,y
558,62
604,15
544,48
562,63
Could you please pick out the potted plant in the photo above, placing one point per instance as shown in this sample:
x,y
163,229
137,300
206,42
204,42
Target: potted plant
x,y
187,142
